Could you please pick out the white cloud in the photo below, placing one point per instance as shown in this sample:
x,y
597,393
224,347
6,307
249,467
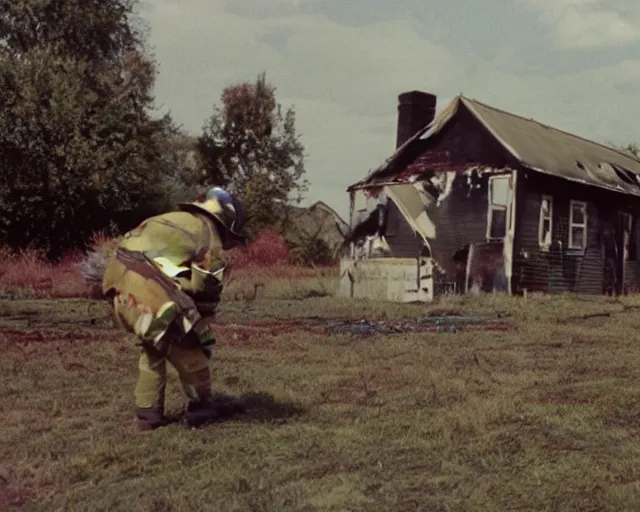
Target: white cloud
x,y
589,23
344,82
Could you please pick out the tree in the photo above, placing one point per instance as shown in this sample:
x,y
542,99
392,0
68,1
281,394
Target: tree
x,y
79,150
181,159
633,148
250,146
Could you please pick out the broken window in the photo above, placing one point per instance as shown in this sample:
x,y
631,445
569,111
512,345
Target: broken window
x,y
545,226
499,195
629,238
578,225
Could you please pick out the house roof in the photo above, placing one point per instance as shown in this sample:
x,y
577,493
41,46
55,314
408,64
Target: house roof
x,y
534,145
318,205
324,206
317,220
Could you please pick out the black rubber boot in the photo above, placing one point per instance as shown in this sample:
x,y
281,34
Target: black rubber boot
x,y
149,418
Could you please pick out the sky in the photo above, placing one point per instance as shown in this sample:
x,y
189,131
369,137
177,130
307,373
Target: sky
x,y
572,64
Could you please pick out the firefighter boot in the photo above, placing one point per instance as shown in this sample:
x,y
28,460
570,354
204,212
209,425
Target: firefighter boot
x,y
149,418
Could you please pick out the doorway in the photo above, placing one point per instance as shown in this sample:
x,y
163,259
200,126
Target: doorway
x,y
616,242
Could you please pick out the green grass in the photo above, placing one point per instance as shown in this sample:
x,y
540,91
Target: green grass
x,y
543,416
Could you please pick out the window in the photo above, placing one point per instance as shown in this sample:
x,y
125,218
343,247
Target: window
x,y
629,238
578,225
545,226
499,192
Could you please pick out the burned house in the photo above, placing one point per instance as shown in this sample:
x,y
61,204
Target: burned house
x,y
479,199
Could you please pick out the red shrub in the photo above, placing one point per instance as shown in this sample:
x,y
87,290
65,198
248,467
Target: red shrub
x,y
30,272
268,250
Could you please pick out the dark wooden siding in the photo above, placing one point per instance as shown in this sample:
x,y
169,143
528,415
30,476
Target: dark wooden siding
x,y
632,268
462,218
403,242
631,276
561,269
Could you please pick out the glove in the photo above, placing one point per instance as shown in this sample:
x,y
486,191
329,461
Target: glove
x,y
207,309
207,283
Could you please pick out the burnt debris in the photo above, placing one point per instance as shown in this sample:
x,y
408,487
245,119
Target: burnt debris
x,y
421,324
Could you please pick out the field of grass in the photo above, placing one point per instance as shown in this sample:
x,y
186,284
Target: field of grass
x,y
541,415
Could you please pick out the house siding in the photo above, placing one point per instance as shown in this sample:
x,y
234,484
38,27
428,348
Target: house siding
x,y
561,269
402,241
461,219
462,145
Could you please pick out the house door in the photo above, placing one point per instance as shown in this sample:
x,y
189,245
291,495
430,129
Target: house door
x,y
609,258
623,234
613,243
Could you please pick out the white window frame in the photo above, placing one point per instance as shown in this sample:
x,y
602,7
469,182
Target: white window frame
x,y
494,207
572,224
545,244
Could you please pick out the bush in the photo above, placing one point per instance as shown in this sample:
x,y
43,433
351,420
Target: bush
x,y
311,251
29,273
268,250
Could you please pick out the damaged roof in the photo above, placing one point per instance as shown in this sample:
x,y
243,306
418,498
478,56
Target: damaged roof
x,y
534,145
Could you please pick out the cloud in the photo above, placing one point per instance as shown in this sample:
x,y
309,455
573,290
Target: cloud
x,y
344,80
583,24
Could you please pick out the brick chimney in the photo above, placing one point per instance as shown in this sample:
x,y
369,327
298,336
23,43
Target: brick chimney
x,y
416,109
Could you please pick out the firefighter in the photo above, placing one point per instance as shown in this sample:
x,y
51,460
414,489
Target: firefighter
x,y
164,282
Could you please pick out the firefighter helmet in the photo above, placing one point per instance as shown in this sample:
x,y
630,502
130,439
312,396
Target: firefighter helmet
x,y
225,209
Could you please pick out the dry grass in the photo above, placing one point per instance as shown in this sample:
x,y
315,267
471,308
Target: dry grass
x,y
541,417
282,282
27,274
261,270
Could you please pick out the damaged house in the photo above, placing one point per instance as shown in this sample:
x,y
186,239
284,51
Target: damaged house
x,y
479,199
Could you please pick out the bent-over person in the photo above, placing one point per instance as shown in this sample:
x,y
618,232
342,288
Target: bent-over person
x,y
164,282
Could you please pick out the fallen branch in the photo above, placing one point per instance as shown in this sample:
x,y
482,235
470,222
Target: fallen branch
x,y
585,317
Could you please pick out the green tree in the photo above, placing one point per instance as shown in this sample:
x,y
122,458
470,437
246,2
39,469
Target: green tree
x,y
633,148
250,145
182,161
79,150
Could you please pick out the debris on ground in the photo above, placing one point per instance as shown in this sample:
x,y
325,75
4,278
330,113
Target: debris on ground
x,y
29,326
361,327
422,324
